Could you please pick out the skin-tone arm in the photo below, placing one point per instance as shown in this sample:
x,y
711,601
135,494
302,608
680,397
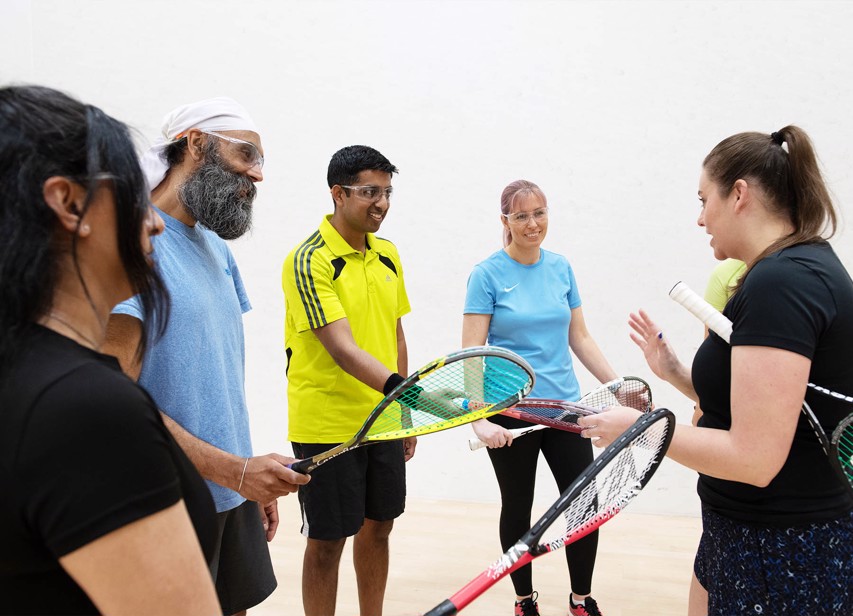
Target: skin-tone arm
x,y
768,387
475,330
266,478
336,337
151,566
585,348
409,444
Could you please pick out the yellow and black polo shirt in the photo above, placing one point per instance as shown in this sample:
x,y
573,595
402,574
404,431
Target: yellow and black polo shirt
x,y
325,279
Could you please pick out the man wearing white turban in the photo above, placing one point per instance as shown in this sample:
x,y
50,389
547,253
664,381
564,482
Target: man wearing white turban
x,y
202,174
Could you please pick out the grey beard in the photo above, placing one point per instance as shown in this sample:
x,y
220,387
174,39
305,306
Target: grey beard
x,y
218,198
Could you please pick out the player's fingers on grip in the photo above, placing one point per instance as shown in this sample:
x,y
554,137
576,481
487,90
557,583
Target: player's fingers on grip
x,y
587,423
292,478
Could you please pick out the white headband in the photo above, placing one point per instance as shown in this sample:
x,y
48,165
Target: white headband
x,y
216,114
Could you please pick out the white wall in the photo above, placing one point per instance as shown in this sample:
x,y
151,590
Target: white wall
x,y
609,106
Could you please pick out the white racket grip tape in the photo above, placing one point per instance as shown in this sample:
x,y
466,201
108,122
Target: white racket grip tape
x,y
475,443
702,310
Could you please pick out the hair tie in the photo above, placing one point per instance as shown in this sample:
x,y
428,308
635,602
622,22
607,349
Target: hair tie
x,y
777,138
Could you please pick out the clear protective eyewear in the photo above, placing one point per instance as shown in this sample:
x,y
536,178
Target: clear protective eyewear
x,y
102,176
522,218
371,193
245,153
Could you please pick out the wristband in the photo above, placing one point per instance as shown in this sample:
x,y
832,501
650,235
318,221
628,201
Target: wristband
x,y
392,382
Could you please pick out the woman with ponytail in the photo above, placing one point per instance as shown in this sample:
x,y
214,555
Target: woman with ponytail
x,y
777,521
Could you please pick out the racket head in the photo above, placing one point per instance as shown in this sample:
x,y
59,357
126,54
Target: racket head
x,y
814,424
487,378
603,489
841,449
629,391
607,485
559,414
457,389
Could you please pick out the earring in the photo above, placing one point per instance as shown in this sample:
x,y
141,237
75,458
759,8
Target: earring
x,y
84,229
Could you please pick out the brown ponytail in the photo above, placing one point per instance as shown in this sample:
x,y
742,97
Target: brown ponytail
x,y
785,166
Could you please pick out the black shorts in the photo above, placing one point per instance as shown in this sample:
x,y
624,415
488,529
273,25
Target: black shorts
x,y
368,482
241,566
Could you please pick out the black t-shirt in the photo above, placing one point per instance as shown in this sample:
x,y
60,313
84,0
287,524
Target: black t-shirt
x,y
83,452
799,299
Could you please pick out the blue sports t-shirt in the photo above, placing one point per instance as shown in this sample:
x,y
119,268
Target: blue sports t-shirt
x,y
195,372
531,312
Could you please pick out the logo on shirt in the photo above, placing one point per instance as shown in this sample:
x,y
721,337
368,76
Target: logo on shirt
x,y
227,271
508,289
387,278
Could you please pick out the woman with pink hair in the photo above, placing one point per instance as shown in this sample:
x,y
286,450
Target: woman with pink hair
x,y
526,299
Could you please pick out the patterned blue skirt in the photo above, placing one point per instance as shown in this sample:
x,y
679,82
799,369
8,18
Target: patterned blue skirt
x,y
801,571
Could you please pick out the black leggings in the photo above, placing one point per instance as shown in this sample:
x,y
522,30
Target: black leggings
x,y
567,455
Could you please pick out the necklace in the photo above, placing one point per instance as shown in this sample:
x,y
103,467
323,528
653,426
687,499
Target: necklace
x,y
59,319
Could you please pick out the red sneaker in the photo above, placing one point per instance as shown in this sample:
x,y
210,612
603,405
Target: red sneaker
x,y
527,607
588,608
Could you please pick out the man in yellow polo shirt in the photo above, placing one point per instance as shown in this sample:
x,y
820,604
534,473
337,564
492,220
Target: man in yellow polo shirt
x,y
344,299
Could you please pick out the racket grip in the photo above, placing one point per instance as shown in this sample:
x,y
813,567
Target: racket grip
x,y
475,444
445,608
702,310
300,466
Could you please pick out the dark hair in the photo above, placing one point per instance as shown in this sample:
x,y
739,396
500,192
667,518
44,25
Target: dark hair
x,y
174,153
348,162
45,133
785,167
511,193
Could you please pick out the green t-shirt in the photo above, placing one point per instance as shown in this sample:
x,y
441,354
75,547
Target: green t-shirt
x,y
722,282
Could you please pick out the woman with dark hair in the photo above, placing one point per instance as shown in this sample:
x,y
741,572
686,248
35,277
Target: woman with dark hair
x,y
526,299
102,512
777,521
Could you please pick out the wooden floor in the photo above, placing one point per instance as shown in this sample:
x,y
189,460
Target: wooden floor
x,y
643,568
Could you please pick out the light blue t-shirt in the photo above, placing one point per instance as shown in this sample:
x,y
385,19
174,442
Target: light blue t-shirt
x,y
531,312
195,372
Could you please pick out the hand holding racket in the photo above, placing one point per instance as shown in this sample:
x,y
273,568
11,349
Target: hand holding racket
x,y
562,414
428,400
606,486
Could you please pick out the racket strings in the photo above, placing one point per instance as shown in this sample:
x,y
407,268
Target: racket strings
x,y
842,441
451,394
845,453
610,490
631,392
